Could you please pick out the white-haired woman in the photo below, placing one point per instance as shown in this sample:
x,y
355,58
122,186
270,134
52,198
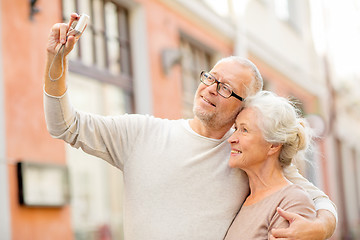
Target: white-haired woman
x,y
268,136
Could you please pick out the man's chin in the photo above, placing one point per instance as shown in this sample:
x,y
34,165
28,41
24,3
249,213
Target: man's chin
x,y
203,116
211,119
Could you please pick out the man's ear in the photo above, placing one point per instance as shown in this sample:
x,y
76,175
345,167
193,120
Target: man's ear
x,y
274,148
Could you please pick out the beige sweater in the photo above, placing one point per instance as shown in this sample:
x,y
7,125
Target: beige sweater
x,y
256,221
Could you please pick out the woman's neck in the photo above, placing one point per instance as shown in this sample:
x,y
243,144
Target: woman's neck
x,y
264,180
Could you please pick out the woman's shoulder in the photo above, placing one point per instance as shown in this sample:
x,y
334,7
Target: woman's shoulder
x,y
295,199
290,192
294,191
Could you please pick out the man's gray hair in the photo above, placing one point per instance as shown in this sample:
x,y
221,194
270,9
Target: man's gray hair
x,y
256,84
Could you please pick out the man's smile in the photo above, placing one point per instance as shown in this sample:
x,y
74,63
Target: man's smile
x,y
207,101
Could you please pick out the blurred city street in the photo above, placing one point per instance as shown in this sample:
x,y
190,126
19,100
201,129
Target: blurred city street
x,y
145,57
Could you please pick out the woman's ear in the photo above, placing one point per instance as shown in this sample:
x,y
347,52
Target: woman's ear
x,y
274,148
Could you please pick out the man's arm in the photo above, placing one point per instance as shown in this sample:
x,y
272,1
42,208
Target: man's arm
x,y
58,38
328,220
321,228
325,223
94,134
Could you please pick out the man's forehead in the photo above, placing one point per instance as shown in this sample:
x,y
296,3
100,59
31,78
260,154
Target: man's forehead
x,y
228,62
230,69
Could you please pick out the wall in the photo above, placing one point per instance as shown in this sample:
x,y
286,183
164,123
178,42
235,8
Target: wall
x,y
285,47
23,58
4,188
164,24
25,137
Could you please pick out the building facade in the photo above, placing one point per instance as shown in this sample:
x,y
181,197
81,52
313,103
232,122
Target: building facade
x,y
145,56
136,56
279,36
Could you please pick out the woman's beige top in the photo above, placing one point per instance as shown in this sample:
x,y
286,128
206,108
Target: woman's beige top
x,y
256,221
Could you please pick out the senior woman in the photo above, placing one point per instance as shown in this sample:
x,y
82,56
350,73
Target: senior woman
x,y
268,136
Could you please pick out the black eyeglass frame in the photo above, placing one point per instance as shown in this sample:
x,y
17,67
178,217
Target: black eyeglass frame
x,y
218,87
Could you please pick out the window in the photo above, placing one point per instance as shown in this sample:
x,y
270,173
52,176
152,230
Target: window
x,y
104,49
101,83
195,58
287,11
282,9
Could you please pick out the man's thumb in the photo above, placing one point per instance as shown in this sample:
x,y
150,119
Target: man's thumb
x,y
70,43
287,215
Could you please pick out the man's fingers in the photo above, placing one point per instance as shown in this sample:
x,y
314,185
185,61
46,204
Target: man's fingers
x,y
58,36
63,32
79,35
271,237
287,215
279,233
69,44
64,28
55,31
73,17
283,233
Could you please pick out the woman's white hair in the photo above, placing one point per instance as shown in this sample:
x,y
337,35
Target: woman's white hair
x,y
280,123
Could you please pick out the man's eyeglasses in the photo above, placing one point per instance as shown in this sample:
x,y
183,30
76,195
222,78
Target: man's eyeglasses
x,y
223,89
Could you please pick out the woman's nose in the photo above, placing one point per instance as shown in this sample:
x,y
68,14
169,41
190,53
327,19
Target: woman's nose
x,y
233,139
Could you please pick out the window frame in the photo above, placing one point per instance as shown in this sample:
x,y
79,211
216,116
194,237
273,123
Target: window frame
x,y
124,79
196,47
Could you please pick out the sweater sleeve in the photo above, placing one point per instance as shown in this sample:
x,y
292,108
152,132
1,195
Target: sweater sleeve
x,y
294,200
103,137
321,200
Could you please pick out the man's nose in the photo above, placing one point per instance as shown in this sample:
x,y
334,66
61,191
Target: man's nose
x,y
213,88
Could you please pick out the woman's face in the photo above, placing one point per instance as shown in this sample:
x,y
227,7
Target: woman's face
x,y
248,147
